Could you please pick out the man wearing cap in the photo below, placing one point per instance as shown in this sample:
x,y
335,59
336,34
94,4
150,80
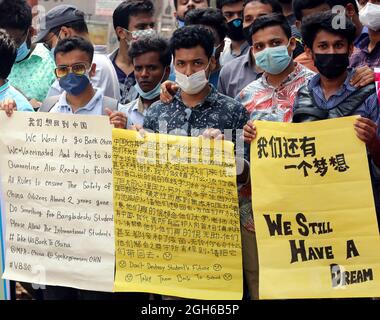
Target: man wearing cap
x,y
66,21
33,72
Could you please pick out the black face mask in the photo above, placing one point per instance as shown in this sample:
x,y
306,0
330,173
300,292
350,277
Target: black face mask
x,y
235,30
332,65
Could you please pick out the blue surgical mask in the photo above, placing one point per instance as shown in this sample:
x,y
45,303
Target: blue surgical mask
x,y
150,95
273,60
22,52
74,84
52,53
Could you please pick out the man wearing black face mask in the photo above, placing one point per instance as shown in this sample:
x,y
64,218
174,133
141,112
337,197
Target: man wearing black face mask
x,y
236,44
330,94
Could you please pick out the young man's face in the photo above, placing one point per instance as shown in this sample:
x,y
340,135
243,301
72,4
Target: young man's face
x,y
141,21
20,36
184,6
253,10
190,61
149,71
233,11
74,58
328,43
271,37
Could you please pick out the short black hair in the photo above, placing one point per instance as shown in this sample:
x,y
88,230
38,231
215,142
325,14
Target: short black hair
x,y
299,5
343,3
270,20
8,53
221,3
192,36
176,3
208,17
151,44
324,21
121,15
75,43
15,14
276,6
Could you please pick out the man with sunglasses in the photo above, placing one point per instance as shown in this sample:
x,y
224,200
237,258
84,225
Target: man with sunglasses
x,y
65,21
75,67
33,72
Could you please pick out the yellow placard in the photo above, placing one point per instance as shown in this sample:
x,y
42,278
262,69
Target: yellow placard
x,y
314,211
177,227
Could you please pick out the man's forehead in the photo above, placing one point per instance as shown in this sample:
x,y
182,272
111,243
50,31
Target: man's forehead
x,y
72,57
272,32
192,53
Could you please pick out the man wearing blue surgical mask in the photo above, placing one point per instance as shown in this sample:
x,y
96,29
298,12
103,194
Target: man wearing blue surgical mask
x,y
132,19
33,71
271,97
151,58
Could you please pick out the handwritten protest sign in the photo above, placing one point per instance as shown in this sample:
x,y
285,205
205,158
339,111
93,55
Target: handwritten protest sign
x,y
314,211
56,173
176,216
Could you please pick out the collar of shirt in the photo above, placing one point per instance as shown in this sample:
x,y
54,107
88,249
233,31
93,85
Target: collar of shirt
x,y
315,86
4,88
210,100
39,52
363,45
290,78
64,107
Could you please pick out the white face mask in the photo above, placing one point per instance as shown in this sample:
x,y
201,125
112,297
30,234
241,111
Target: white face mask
x,y
370,16
194,83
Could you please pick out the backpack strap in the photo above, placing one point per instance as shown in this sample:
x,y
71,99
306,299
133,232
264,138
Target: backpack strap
x,y
109,103
48,104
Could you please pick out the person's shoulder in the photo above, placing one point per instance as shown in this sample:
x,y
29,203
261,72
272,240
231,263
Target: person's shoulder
x,y
102,60
228,102
231,66
156,108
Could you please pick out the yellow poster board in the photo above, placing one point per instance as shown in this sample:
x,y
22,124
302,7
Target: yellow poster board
x,y
177,227
314,211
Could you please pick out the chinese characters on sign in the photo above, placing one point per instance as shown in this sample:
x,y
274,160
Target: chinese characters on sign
x,y
176,217
314,211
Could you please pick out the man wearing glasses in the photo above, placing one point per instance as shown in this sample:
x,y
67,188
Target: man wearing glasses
x,y
33,72
74,60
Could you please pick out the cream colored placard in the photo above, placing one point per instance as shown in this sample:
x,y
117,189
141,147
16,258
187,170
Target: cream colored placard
x,y
56,173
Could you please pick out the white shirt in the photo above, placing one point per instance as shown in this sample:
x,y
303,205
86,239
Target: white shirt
x,y
105,78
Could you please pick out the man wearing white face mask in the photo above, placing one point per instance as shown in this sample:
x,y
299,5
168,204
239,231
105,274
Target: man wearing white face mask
x,y
151,59
369,53
132,19
197,106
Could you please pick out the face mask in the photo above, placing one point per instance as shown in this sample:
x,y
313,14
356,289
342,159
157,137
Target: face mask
x,y
150,95
235,30
193,84
332,65
22,52
136,35
273,60
52,50
215,50
370,16
74,84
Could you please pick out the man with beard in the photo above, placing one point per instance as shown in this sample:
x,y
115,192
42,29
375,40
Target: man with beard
x,y
182,7
236,44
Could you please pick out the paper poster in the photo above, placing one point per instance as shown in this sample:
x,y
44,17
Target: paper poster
x,y
56,173
314,211
177,224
